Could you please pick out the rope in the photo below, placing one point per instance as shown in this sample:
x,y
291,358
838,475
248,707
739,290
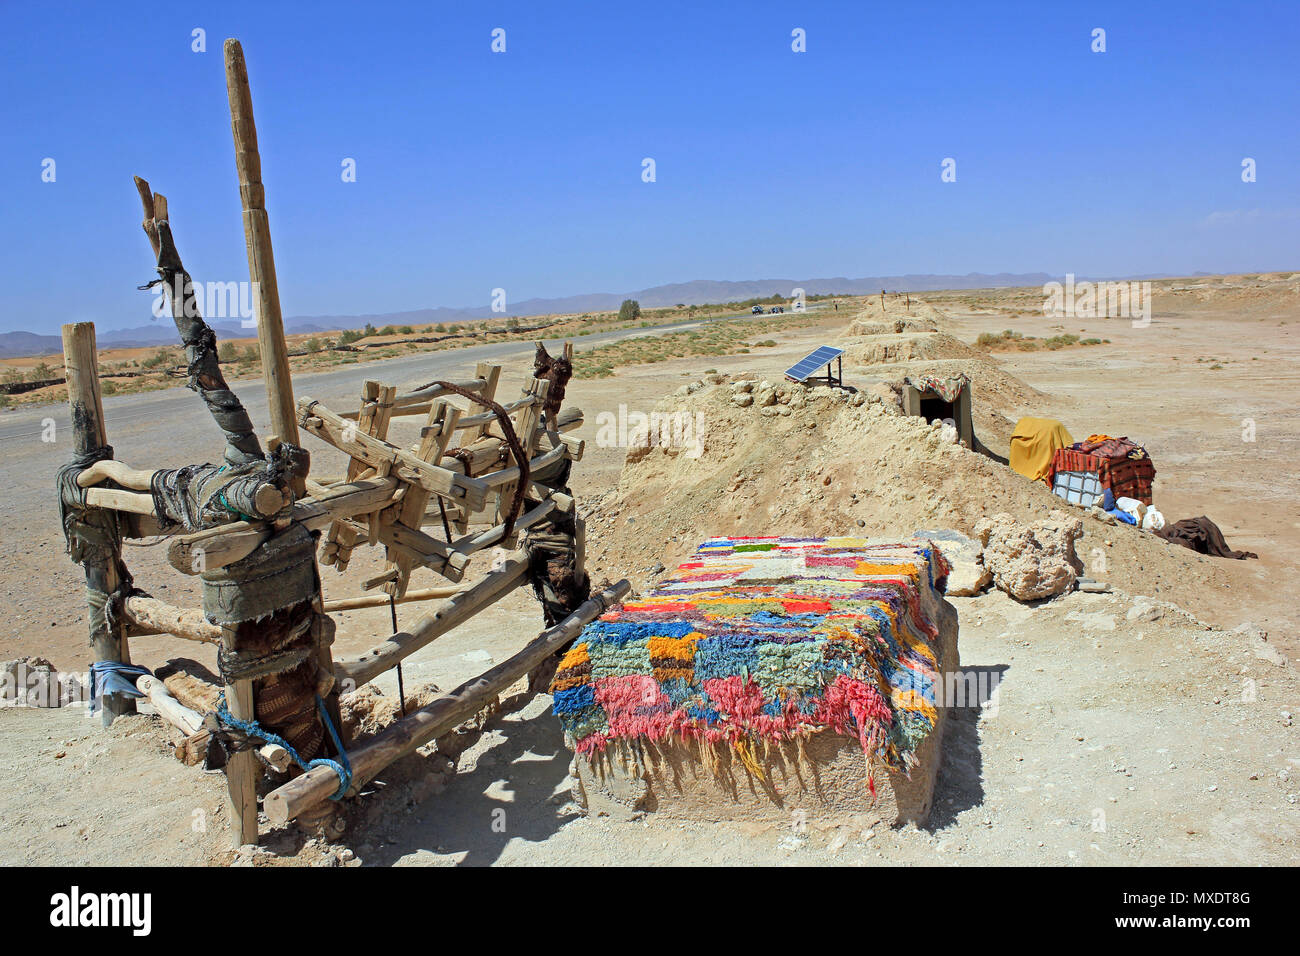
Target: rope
x,y
251,729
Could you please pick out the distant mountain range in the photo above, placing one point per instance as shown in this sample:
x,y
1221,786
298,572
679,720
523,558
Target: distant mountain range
x,y
699,292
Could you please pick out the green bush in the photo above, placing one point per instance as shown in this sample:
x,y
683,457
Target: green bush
x,y
629,311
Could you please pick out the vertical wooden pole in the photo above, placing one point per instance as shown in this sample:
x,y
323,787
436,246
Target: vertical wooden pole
x,y
243,768
261,258
80,359
270,336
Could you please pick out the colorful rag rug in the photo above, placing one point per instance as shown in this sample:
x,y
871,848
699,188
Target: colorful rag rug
x,y
765,639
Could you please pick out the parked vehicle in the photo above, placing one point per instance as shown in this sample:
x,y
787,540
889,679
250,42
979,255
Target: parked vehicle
x,y
777,310
756,310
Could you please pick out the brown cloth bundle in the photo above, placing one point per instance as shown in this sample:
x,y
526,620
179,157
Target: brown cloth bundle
x,y
1203,536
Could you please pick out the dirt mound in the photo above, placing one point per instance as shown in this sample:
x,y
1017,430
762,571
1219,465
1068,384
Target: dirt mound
x,y
914,314
780,459
894,348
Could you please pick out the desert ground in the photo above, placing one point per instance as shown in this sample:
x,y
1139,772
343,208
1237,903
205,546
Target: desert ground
x,y
1153,724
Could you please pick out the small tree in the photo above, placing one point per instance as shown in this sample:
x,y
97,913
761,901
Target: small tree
x,y
629,311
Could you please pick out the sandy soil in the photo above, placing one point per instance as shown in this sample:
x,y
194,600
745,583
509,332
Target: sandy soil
x,y
1110,740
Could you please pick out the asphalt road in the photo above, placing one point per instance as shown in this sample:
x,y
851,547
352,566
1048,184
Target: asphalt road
x,y
180,412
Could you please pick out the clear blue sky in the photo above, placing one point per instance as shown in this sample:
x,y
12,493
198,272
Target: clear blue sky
x,y
523,170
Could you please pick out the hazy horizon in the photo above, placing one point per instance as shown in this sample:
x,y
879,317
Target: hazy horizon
x,y
523,170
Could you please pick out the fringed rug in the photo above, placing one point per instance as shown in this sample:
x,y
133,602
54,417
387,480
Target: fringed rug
x,y
756,640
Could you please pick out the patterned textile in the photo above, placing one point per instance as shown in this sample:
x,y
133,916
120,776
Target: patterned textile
x,y
759,639
946,388
1125,477
1103,446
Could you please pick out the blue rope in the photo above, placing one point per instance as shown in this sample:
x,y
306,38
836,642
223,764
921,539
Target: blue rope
x,y
342,766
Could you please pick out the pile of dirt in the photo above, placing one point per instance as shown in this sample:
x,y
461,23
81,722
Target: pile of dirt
x,y
887,346
763,458
898,347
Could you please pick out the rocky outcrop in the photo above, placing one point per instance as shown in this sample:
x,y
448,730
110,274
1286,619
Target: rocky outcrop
x,y
968,576
1031,561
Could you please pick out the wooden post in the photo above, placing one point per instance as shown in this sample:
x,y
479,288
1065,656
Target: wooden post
x,y
261,258
243,769
103,575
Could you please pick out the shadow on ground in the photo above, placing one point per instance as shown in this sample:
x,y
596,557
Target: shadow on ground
x,y
960,784
509,793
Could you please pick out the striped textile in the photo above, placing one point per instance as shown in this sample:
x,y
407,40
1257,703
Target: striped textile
x,y
1125,477
769,638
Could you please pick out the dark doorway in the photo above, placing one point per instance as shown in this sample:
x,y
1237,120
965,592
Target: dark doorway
x,y
933,407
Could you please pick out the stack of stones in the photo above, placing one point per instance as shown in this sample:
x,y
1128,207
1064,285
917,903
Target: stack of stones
x,y
783,398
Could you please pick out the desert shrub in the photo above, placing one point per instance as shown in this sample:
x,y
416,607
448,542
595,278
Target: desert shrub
x,y
349,336
158,358
629,311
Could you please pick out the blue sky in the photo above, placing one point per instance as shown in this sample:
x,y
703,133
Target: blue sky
x,y
522,170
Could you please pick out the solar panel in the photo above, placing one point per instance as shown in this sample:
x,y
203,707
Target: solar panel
x,y
805,367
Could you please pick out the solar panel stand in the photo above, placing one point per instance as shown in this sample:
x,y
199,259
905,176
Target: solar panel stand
x,y
801,371
833,379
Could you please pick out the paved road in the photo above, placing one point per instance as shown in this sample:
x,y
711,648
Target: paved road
x,y
180,412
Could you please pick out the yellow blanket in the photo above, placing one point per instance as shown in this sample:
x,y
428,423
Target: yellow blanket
x,y
1033,443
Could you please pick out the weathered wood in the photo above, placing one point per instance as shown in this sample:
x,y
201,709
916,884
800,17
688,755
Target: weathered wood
x,y
183,718
491,376
261,258
81,360
216,547
343,435
162,618
135,479
496,535
425,550
381,600
114,500
450,614
434,438
438,717
242,769
203,367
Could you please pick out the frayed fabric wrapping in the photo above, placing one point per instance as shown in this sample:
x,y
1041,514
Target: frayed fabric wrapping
x,y
765,639
280,573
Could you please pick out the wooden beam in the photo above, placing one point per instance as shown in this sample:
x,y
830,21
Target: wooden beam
x,y
217,547
491,376
261,258
381,600
436,718
103,573
333,430
448,615
162,618
135,479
